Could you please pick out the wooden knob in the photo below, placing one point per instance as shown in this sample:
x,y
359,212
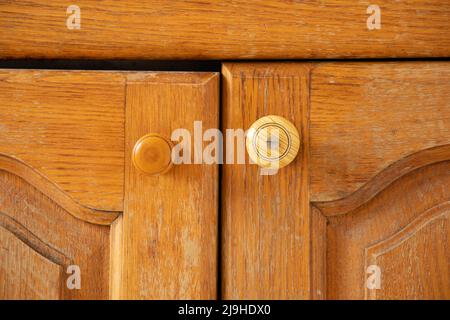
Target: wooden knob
x,y
272,142
152,154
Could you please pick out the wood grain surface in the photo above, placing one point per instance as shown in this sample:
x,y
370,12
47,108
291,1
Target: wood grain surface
x,y
266,218
380,145
26,274
51,190
374,167
404,231
240,29
415,260
39,240
367,116
170,222
69,127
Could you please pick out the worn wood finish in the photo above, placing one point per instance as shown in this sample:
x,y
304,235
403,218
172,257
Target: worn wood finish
x,y
169,224
38,181
262,29
426,243
69,127
374,154
383,179
39,240
24,273
404,231
265,218
367,116
318,255
380,171
378,162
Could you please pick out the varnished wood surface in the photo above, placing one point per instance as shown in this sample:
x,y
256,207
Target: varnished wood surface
x,y
69,127
383,179
380,142
318,255
170,222
368,116
415,260
241,29
39,240
377,159
48,188
375,162
404,231
19,279
266,218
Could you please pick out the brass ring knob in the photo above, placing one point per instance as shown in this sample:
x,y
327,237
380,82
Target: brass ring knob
x,y
272,142
152,154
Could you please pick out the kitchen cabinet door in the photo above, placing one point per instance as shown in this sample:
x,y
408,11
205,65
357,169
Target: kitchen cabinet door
x,y
363,210
77,219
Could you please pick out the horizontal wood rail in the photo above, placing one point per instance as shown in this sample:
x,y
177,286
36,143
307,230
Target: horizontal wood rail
x,y
210,29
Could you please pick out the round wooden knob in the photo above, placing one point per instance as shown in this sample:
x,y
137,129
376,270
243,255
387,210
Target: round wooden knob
x,y
272,142
152,154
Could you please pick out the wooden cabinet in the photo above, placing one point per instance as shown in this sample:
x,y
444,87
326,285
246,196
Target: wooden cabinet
x,y
314,138
362,212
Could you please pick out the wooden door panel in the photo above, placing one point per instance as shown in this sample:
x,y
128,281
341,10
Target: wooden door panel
x,y
65,150
25,273
69,126
426,243
367,116
380,146
40,240
404,231
376,152
61,172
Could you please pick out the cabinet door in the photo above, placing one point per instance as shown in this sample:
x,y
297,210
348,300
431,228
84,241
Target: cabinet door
x,y
363,210
77,221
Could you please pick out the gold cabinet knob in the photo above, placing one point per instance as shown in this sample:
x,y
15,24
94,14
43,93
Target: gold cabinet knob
x,y
152,154
272,142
